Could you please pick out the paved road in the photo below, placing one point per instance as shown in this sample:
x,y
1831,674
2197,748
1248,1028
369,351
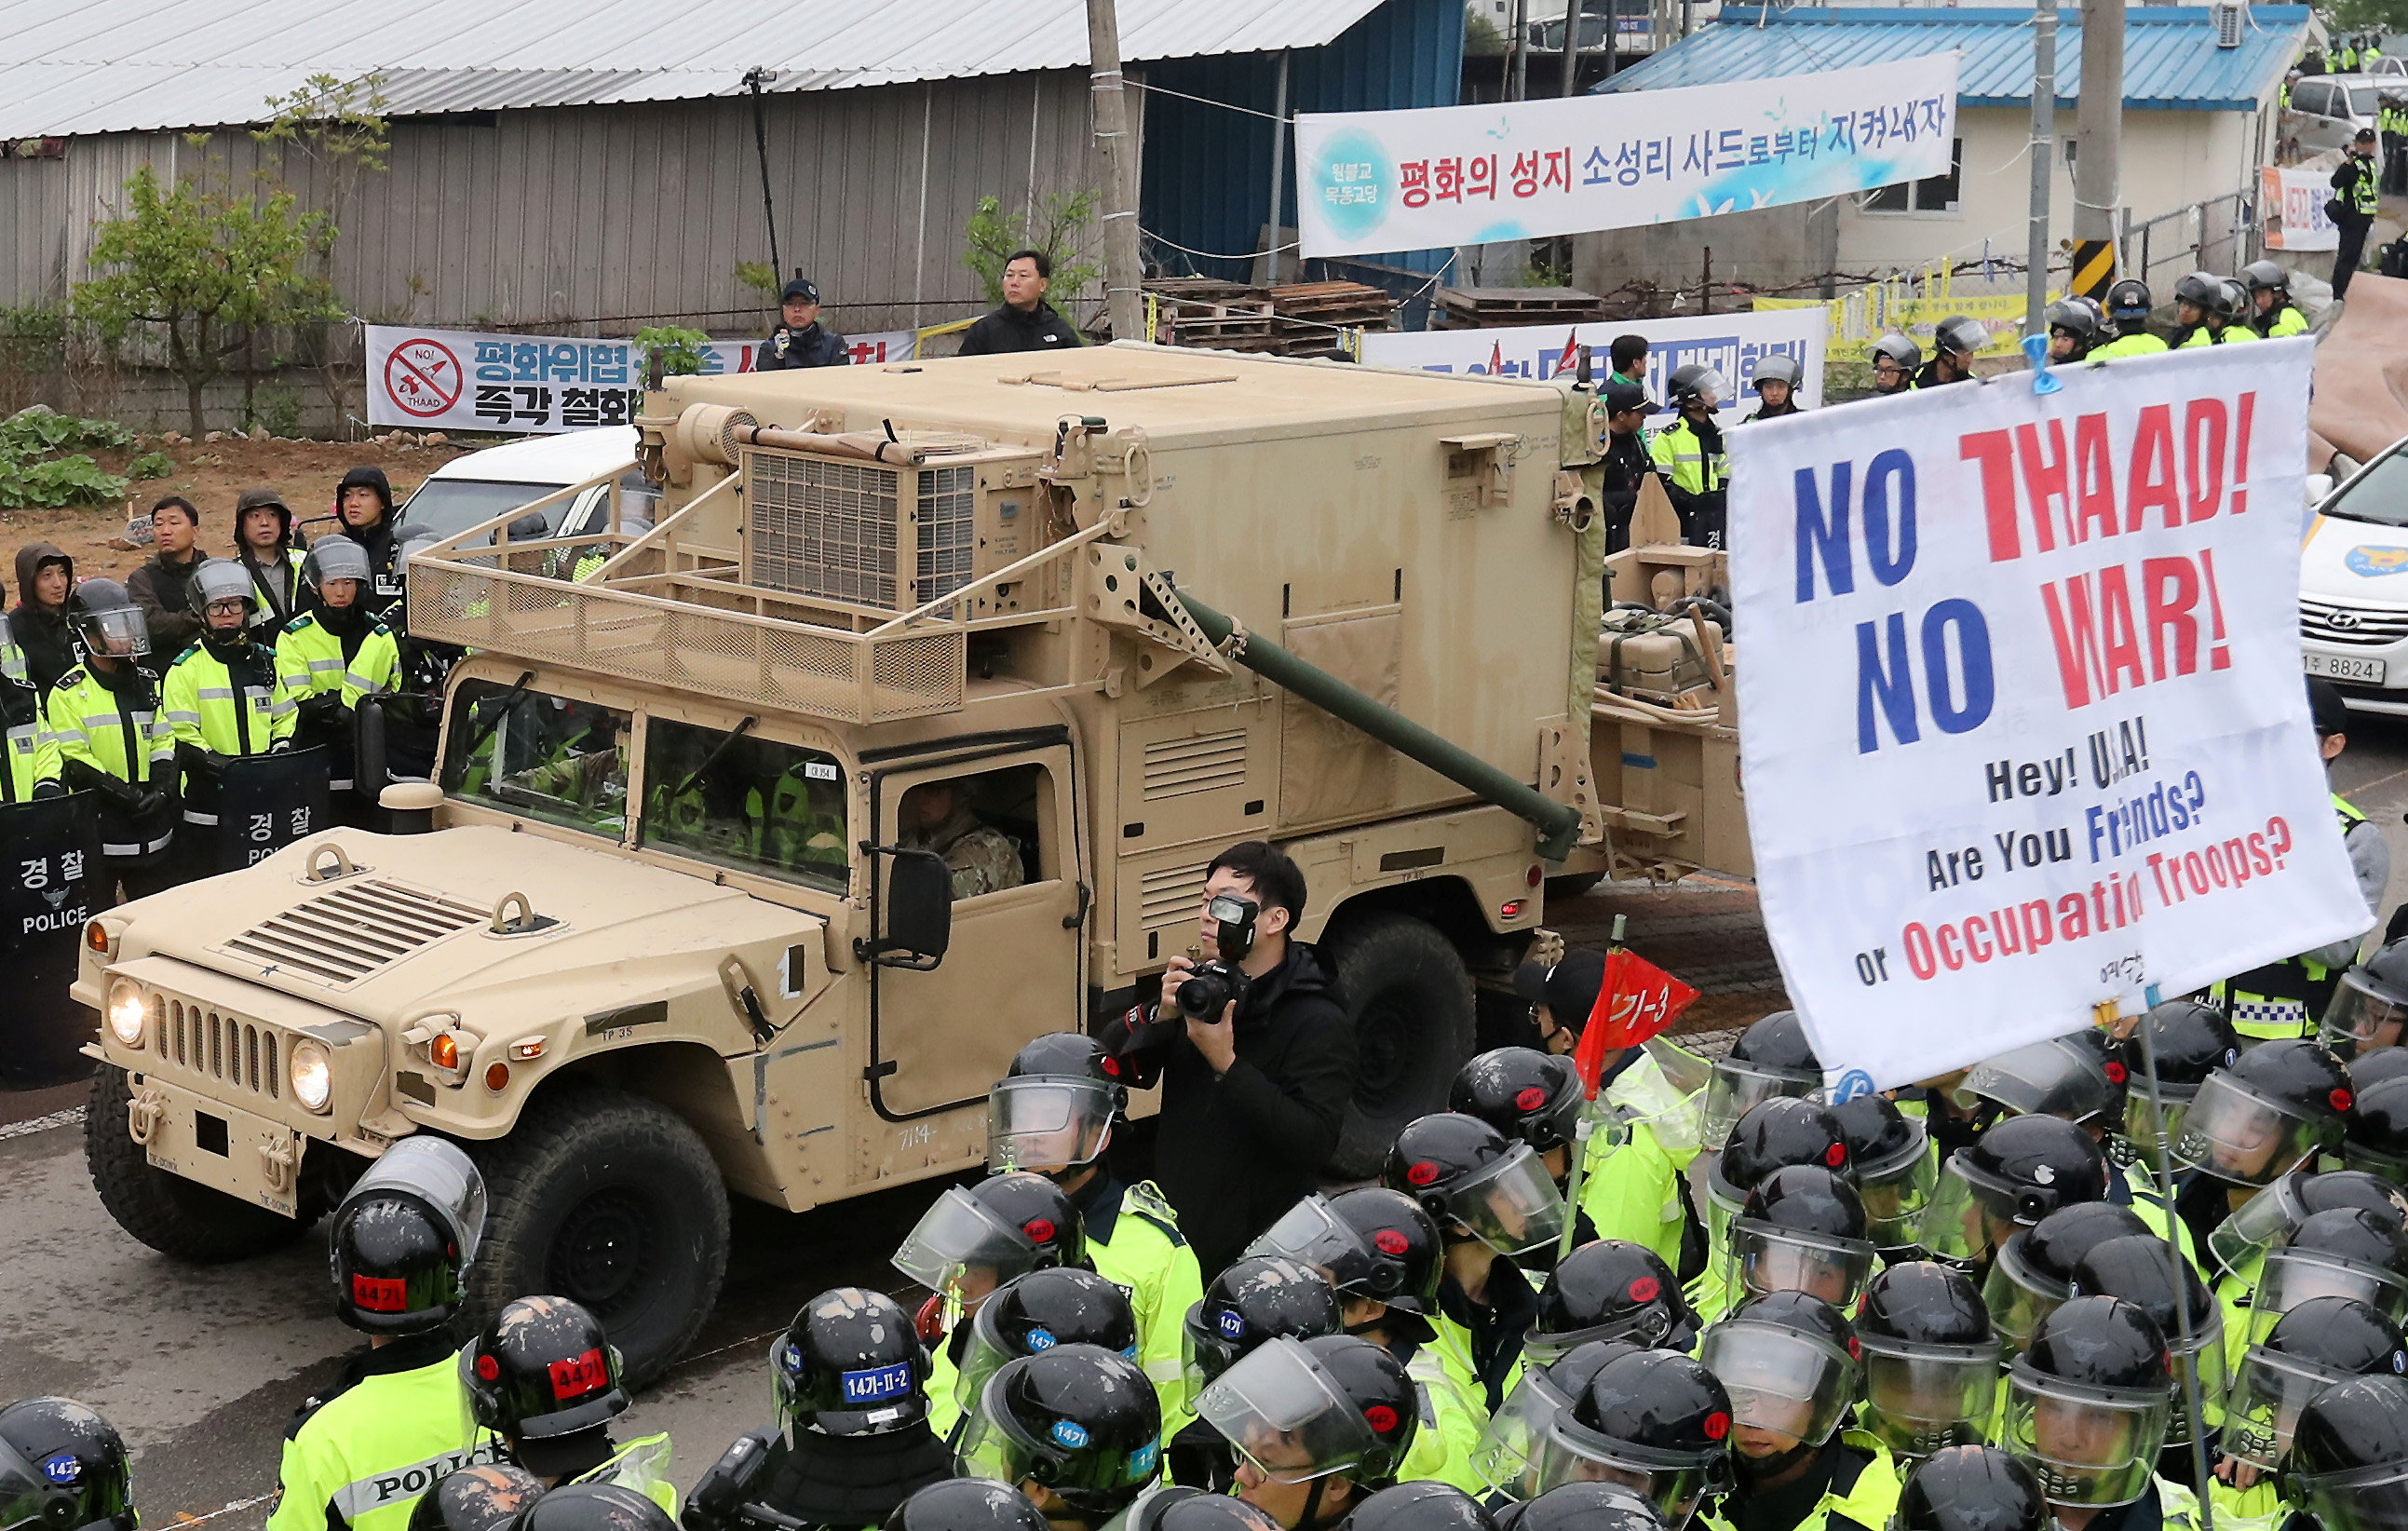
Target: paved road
x,y
201,1368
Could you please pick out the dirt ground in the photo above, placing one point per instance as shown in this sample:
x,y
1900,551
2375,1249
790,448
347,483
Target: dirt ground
x,y
210,475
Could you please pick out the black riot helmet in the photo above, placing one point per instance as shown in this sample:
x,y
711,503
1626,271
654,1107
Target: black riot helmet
x,y
1656,1415
1802,1230
2128,303
2376,1140
2383,1064
2140,1269
2266,277
1195,1509
1463,1171
1533,1096
850,1365
2033,1270
1609,1289
2075,320
1368,1242
2349,1454
1581,1507
2368,1012
973,1239
1336,1406
2275,1212
592,1507
2272,1108
2015,1174
1774,1133
542,1370
107,621
1512,1442
1773,1057
1695,383
2192,1042
2347,1252
1053,1110
404,1237
2204,290
2322,1341
483,1497
1080,1420
1792,1365
966,1504
2079,1076
1930,1358
63,1468
1064,1306
1971,1487
1960,336
2087,1403
1423,1505
1260,1297
1890,1154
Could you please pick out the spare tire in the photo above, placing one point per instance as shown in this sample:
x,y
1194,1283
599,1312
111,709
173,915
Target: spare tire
x,y
1409,997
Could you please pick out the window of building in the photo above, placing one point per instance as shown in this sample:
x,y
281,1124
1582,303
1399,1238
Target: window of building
x,y
760,805
1932,195
547,757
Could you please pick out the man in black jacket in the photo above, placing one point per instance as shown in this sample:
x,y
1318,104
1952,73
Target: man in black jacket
x,y
2355,196
1026,322
1252,1100
1627,464
799,340
162,587
364,509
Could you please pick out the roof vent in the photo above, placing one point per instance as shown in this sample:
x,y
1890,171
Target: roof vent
x,y
2227,15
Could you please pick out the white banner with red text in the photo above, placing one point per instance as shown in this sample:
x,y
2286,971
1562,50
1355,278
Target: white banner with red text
x,y
2025,728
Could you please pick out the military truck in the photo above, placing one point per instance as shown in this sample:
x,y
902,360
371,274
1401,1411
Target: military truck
x,y
764,836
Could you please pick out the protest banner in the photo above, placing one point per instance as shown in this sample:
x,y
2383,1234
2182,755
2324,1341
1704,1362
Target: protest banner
x,y
2025,725
1865,315
1419,178
2295,201
473,381
1731,344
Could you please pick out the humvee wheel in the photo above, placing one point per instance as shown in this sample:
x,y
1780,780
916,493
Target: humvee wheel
x,y
1409,997
173,1215
1571,885
610,1200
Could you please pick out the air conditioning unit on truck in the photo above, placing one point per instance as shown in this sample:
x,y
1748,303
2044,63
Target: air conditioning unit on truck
x,y
1119,607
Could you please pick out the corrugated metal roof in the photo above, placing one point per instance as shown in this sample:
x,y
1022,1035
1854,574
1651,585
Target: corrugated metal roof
x,y
119,65
2171,60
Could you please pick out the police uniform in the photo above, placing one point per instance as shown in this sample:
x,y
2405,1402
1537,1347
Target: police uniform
x,y
2138,343
1861,1490
2285,998
2286,319
113,726
1633,1190
2135,1186
233,709
360,1457
313,660
2231,335
981,858
32,749
1451,1423
1480,1344
1133,1240
1696,470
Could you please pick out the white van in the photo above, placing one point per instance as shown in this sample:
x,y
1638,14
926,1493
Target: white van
x,y
482,484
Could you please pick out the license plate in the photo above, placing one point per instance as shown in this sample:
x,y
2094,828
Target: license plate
x,y
2366,672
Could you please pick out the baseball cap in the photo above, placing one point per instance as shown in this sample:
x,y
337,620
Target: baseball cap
x,y
1621,398
800,288
1567,990
2365,136
2325,706
258,499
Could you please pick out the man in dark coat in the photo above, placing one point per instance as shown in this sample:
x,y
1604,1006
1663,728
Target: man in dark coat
x,y
1026,322
799,340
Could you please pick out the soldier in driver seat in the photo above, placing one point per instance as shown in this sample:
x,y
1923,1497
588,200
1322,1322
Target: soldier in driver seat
x,y
937,816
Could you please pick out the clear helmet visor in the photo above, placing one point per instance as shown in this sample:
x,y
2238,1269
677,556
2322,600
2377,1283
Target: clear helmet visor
x,y
2235,1134
1571,1454
1920,1399
992,1447
1970,1214
2018,1297
1766,1259
2363,1499
2257,1224
118,632
1896,1195
1033,1123
2374,1162
2264,1403
2148,1122
963,1250
1507,1456
436,1172
1737,1085
2088,1446
26,1492
2360,1019
2052,1078
1309,1234
2204,1363
1512,1205
1282,1413
1786,1389
2290,1276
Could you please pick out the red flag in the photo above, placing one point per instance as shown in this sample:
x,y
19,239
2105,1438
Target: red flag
x,y
1637,1000
1570,358
1496,358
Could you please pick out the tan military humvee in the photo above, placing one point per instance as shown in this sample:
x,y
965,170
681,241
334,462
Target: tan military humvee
x,y
669,937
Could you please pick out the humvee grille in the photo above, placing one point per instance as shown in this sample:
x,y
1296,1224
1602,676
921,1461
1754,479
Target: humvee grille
x,y
822,528
342,937
215,1046
948,529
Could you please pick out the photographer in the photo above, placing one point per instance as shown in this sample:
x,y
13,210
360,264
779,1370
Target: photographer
x,y
1253,1090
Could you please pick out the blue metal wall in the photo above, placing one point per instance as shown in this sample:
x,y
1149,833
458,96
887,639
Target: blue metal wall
x,y
1207,170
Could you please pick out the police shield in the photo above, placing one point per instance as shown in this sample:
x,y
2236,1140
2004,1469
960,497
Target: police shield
x,y
265,803
52,882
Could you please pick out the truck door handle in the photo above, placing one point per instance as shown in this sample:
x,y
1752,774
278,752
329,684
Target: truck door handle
x,y
1078,917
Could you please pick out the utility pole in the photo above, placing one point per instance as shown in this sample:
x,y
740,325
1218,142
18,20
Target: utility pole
x,y
1123,273
2044,154
1279,174
1572,47
1517,58
2098,168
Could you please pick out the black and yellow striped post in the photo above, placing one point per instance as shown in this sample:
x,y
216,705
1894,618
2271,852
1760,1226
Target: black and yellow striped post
x,y
2094,267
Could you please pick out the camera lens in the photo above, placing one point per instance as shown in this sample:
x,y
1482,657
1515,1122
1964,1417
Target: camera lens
x,y
1206,991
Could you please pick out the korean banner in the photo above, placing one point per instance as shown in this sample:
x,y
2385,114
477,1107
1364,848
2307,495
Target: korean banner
x,y
469,380
2295,201
2025,729
1370,181
1731,344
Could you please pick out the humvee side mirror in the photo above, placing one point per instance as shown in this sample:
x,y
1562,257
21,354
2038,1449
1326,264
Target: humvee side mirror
x,y
918,911
370,768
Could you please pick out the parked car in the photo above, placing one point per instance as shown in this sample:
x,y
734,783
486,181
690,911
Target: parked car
x,y
2353,586
2335,107
482,484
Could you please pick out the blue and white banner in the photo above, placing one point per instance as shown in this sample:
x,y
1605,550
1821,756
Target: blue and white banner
x,y
1368,182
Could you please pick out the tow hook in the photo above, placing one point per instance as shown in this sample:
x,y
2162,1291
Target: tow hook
x,y
277,1161
144,1113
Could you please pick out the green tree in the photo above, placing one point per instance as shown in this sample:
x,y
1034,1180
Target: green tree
x,y
678,350
2351,16
1060,230
336,129
209,265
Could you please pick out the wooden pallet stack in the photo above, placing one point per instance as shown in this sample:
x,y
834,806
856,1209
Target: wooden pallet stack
x,y
1489,307
1302,319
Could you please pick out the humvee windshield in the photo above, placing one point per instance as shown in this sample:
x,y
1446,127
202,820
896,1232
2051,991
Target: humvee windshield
x,y
547,757
741,801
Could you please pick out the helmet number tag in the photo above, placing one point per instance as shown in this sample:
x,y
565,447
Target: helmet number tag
x,y
379,1294
579,1374
63,1469
876,1384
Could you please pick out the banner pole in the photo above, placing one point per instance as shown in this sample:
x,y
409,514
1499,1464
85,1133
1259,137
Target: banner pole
x,y
1587,1124
2165,1178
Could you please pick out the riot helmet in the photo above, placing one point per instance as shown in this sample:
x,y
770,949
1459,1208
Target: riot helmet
x,y
106,621
1930,1358
2349,1455
336,558
2269,1111
1299,1411
1064,1305
405,1236
63,1468
2266,277
1695,383
539,1373
2369,1009
1077,1420
2033,1270
1790,1365
2236,298
2191,1041
1054,1110
1531,1097
2319,1342
1961,336
2088,1402
2379,1067
1902,354
1971,1487
2128,303
1890,1153
1508,1454
2140,1269
2013,1174
1773,1057
1422,1505
223,580
1768,1135
1609,1289
2204,291
2076,322
1261,1298
2270,1217
1801,1230
2346,1253
966,1504
2079,1077
480,1498
2376,1139
1582,1507
1655,1421
1464,1171
1195,1510
850,1365
1776,366
592,1507
973,1239
1368,1242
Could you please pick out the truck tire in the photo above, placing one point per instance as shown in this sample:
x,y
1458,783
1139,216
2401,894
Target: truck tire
x,y
611,1200
179,1218
1571,885
1409,997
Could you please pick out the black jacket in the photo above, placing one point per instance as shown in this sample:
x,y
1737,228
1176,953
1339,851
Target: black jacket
x,y
42,633
381,539
848,1482
2346,177
1627,466
786,350
1234,1153
1008,329
163,588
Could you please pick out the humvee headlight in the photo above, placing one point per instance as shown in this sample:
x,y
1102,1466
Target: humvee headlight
x,y
444,1052
129,1011
313,1077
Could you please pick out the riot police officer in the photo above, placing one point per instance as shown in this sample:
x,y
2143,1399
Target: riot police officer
x,y
1507,1458
1801,1229
2073,329
2032,1272
1132,1234
1261,1298
2318,1343
1611,1289
1771,1136
1931,1360
1319,1424
1955,342
2014,1175
2272,313
2141,1270
1790,1364
2268,1111
112,737
2191,1041
1890,1154
1655,1420
851,1441
1581,1507
360,1454
966,1504
1772,1058
1063,1306
2129,305
1535,1098
63,1468
1077,1428
483,1497
972,1239
2085,1411
222,701
1896,359
544,1378
2349,1454
2207,312
1775,380
2368,1008
333,655
1419,1506
1688,454
1971,1488
2376,1139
